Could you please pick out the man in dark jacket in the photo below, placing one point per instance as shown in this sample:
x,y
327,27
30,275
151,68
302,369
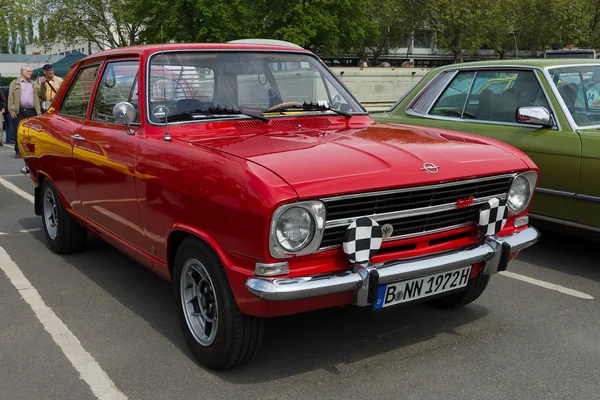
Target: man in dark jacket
x,y
2,109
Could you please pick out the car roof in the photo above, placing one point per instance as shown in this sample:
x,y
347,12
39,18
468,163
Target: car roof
x,y
528,62
151,48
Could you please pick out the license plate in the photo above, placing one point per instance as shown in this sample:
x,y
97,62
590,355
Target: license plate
x,y
401,292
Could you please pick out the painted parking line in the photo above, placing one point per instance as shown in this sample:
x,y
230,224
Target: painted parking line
x,y
89,370
11,175
20,232
15,189
548,285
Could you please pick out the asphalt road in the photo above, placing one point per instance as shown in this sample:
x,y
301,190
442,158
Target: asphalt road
x,y
518,341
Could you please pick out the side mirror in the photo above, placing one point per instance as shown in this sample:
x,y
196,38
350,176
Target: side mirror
x,y
535,116
45,106
124,113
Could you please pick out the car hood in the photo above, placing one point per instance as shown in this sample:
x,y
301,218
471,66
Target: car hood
x,y
380,156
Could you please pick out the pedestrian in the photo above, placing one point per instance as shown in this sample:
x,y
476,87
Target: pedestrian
x,y
23,101
49,83
2,109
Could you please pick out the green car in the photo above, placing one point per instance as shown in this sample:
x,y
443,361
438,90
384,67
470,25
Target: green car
x,y
548,108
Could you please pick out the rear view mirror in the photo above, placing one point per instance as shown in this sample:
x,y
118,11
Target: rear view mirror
x,y
535,116
45,106
124,112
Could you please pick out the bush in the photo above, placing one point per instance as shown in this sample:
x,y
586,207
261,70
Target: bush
x,y
6,80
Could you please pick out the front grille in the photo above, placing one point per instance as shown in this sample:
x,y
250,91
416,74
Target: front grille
x,y
413,211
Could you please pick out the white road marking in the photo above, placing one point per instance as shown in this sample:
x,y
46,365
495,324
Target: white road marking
x,y
15,189
11,175
30,230
9,145
89,370
547,285
21,231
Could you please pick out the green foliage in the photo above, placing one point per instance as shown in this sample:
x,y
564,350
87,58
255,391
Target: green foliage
x,y
324,26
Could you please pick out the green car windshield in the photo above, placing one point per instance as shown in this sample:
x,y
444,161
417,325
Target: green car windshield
x,y
579,88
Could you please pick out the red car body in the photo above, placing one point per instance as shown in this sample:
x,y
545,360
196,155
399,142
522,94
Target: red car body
x,y
221,181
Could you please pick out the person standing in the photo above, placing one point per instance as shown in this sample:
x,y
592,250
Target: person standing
x,y
49,83
2,109
23,101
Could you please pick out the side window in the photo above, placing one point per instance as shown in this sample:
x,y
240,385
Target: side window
x,y
115,86
490,95
500,93
77,99
452,101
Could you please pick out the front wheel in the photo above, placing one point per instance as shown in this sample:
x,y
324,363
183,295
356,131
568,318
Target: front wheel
x,y
219,335
475,288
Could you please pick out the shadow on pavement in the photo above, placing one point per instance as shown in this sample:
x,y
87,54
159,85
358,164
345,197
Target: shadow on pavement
x,y
566,253
293,344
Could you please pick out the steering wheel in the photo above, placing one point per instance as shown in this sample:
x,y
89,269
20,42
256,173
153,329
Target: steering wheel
x,y
284,104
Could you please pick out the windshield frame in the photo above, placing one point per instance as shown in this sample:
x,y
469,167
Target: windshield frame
x,y
563,105
315,59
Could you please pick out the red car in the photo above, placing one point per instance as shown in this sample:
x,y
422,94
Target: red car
x,y
251,178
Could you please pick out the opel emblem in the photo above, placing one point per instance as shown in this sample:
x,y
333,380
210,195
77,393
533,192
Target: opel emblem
x,y
386,231
430,168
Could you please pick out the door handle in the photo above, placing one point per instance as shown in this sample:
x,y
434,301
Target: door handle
x,y
77,137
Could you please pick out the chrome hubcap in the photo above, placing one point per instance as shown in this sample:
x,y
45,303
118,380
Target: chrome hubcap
x,y
50,214
199,302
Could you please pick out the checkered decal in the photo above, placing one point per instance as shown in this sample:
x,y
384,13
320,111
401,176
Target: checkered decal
x,y
362,240
492,217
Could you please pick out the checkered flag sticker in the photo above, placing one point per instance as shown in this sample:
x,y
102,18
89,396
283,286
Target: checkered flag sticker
x,y
492,217
362,240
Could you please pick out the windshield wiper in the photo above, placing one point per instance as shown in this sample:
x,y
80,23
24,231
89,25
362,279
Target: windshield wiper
x,y
306,107
210,112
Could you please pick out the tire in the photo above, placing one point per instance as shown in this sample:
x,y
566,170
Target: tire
x,y
235,337
63,234
475,288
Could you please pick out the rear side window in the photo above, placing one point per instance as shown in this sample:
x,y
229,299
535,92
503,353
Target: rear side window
x,y
77,99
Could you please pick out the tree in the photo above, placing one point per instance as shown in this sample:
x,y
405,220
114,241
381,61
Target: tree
x,y
4,35
196,20
503,16
543,22
323,26
22,26
459,25
395,21
42,30
30,36
108,24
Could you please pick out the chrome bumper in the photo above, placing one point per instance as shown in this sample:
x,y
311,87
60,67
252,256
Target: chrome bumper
x,y
493,252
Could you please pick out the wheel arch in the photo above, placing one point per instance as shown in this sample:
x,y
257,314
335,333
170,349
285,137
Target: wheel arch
x,y
179,233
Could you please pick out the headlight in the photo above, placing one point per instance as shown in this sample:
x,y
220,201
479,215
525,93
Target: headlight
x,y
521,192
297,229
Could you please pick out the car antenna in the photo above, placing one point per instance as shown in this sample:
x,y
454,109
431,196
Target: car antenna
x,y
167,137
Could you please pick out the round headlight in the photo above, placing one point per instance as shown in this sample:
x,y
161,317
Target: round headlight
x,y
295,229
519,195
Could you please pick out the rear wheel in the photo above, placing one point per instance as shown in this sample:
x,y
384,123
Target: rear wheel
x,y
63,234
218,333
475,288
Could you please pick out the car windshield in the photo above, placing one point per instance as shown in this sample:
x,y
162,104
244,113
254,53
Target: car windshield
x,y
579,88
192,84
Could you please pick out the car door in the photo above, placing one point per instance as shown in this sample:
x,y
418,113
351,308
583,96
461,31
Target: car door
x,y
63,129
105,157
489,108
589,184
